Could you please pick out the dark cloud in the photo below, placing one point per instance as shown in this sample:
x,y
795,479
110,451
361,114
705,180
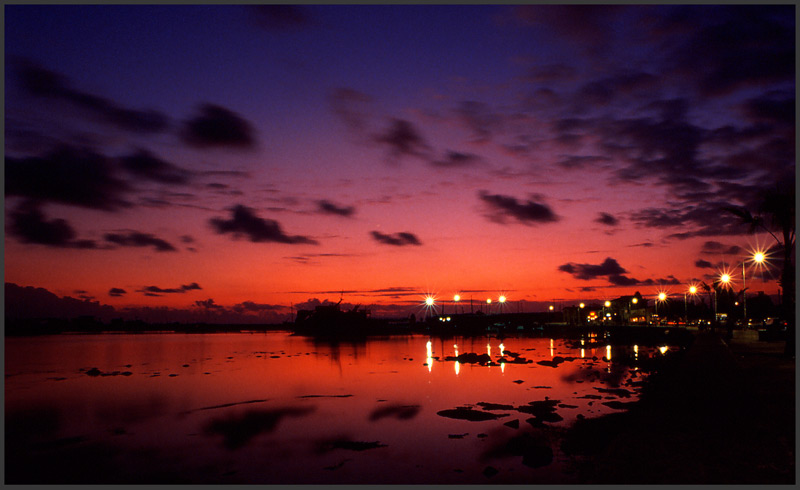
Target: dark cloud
x,y
397,239
187,239
328,207
29,224
157,291
45,83
698,219
712,247
279,17
139,239
117,292
73,176
607,219
776,106
586,272
249,306
244,222
457,159
146,165
703,264
620,280
526,212
208,304
403,139
217,126
669,281
739,47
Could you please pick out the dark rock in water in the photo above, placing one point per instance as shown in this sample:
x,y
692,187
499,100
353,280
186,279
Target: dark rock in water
x,y
514,424
618,405
172,375
126,373
481,436
542,387
94,372
591,397
494,406
473,358
490,471
535,422
464,413
564,405
620,392
552,363
185,365
457,436
518,381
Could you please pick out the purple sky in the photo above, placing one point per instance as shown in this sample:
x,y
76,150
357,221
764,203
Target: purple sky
x,y
210,160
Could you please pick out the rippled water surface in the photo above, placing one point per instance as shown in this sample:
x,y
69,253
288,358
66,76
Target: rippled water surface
x,y
275,408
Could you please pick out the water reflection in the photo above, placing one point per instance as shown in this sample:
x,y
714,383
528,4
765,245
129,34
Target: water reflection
x,y
429,360
252,409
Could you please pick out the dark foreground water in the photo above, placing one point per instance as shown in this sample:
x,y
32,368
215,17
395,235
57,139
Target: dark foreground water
x,y
276,408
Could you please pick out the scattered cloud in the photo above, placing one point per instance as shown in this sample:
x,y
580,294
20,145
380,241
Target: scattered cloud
x,y
208,304
158,291
587,272
397,239
29,224
244,222
402,139
139,239
703,264
607,219
527,212
117,292
454,159
146,165
217,126
42,82
328,207
68,175
712,247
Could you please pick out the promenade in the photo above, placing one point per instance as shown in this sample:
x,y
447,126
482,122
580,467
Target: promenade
x,y
723,414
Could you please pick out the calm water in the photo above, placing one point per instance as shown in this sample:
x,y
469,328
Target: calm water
x,y
276,408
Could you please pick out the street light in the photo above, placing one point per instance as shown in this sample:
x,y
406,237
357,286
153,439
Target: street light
x,y
606,305
456,299
662,296
693,291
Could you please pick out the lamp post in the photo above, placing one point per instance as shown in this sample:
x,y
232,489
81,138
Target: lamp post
x,y
456,299
662,296
692,290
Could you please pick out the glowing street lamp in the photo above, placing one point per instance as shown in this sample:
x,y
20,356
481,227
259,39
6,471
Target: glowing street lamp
x,y
456,299
662,297
552,307
693,291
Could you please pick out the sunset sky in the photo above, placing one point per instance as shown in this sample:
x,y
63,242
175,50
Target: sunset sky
x,y
241,159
